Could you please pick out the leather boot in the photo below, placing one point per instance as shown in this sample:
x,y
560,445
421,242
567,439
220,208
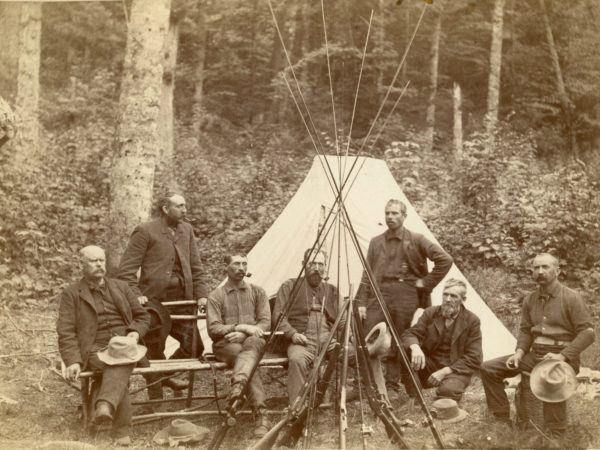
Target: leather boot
x,y
262,424
176,384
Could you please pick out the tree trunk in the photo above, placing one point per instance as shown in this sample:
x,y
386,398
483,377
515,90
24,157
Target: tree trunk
x,y
197,108
458,131
166,116
136,149
566,104
433,81
491,119
406,40
250,93
380,44
10,14
28,84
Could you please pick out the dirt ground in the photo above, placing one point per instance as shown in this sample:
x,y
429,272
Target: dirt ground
x,y
39,410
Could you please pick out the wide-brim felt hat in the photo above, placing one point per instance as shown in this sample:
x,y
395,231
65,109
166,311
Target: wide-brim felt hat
x,y
122,350
553,381
446,410
180,430
379,340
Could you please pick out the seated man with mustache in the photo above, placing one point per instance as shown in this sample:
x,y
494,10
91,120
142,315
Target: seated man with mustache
x,y
237,316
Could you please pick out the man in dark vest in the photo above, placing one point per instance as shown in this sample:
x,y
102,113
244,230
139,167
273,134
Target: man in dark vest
x,y
164,251
445,343
90,313
398,259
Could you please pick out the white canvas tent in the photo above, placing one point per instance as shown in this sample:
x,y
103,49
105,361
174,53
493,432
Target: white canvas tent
x,y
277,256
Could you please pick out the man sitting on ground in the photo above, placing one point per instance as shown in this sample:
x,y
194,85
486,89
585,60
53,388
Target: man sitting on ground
x,y
238,314
445,343
90,313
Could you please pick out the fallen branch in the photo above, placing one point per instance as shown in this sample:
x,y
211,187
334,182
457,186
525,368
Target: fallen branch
x,y
14,324
12,355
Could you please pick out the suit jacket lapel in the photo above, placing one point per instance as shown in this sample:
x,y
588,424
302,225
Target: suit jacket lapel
x,y
459,326
86,295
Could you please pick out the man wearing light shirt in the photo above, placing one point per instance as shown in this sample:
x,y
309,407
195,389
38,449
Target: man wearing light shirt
x,y
237,316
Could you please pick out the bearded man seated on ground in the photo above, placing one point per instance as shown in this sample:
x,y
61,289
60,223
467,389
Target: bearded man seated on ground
x,y
445,343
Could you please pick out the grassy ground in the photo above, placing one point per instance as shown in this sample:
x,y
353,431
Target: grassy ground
x,y
45,408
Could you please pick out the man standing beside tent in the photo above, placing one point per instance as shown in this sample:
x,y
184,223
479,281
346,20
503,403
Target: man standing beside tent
x,y
555,324
398,260
237,316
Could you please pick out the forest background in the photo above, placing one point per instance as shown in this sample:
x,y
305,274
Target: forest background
x,y
116,102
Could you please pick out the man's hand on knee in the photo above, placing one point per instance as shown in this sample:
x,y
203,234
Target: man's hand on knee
x,y
417,357
235,337
250,330
72,372
299,339
436,377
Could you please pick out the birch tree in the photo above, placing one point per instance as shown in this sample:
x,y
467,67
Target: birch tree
x,y
433,80
493,97
166,117
136,148
28,83
565,101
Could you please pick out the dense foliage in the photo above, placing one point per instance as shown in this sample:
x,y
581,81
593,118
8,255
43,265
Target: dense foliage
x,y
493,206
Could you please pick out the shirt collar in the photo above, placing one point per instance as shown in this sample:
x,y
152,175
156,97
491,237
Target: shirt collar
x,y
552,290
230,287
99,287
398,234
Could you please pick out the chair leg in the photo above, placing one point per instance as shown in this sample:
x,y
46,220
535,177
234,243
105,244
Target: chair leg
x,y
85,400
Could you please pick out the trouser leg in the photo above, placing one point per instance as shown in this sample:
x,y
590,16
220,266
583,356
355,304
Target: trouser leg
x,y
402,300
183,332
242,358
122,421
115,380
300,358
493,373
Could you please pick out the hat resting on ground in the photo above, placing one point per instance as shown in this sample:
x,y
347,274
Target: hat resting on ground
x,y
122,350
446,410
553,381
379,340
180,430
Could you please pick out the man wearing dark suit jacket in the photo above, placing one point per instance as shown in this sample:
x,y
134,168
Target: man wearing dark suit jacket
x,y
91,311
445,343
165,251
398,260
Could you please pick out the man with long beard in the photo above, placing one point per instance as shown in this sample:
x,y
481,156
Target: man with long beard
x,y
308,322
445,343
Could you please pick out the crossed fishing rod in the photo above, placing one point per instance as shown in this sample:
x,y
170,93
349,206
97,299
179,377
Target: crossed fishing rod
x,y
298,413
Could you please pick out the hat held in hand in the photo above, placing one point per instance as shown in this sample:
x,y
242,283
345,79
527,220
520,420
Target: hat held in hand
x,y
122,350
180,430
447,410
379,340
553,381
